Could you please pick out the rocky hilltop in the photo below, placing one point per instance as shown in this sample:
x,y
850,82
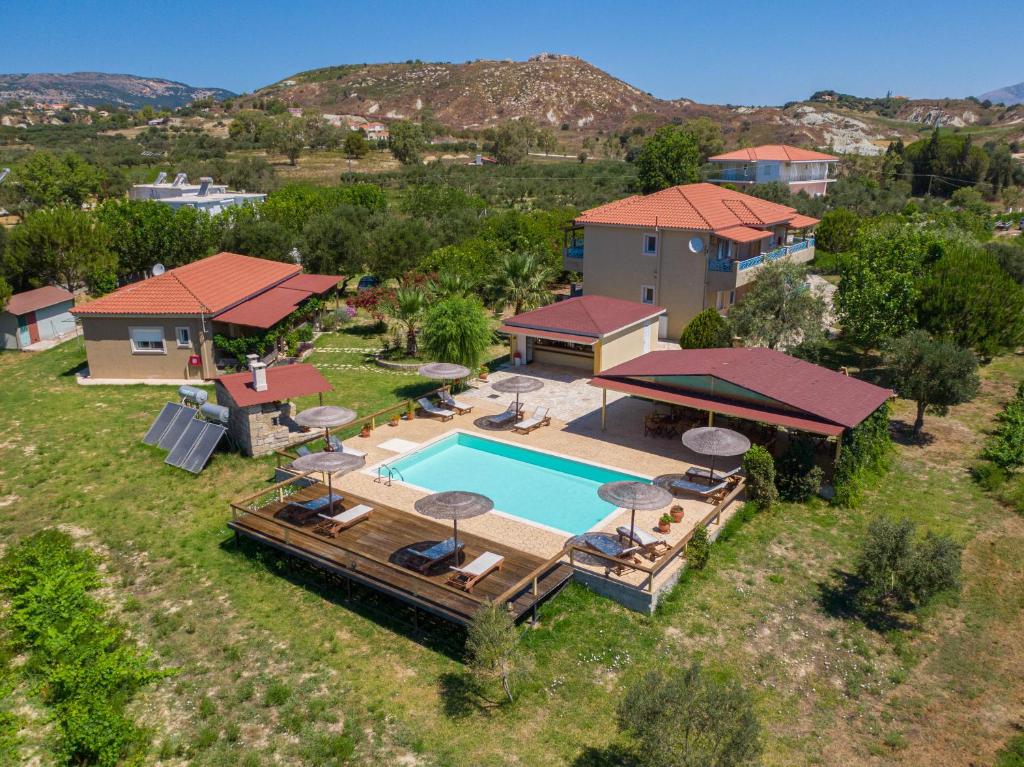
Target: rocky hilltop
x,y
101,88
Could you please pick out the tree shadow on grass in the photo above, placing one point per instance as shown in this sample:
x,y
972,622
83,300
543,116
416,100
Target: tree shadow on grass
x,y
363,330
903,434
838,599
461,695
615,755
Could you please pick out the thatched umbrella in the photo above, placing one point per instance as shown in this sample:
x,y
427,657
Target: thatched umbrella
x,y
715,442
517,385
326,417
454,505
443,371
633,495
329,463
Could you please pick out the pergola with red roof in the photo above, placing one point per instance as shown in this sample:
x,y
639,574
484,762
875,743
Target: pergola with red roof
x,y
759,385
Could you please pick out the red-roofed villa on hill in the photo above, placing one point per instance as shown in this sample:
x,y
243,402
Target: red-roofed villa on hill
x,y
802,170
686,248
163,328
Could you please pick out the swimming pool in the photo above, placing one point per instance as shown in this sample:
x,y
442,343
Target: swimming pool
x,y
542,488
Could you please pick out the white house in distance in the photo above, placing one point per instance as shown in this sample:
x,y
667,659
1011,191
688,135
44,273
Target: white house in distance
x,y
803,170
213,198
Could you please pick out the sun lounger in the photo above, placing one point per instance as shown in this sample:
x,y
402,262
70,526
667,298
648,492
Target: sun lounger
x,y
719,476
332,525
699,488
626,555
300,511
439,552
431,409
648,543
467,576
511,414
539,418
302,450
338,447
450,402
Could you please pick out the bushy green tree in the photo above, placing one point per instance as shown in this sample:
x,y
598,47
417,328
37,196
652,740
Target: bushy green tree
x,y
407,142
335,243
62,245
897,570
759,467
934,372
512,142
256,236
456,329
707,330
779,310
837,232
399,247
690,717
947,155
1005,446
698,548
521,281
669,157
356,145
45,179
1010,256
287,135
707,134
146,232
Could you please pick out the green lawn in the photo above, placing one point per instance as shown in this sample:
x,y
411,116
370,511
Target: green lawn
x,y
276,667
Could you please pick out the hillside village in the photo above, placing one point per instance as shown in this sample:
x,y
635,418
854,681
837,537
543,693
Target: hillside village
x,y
504,413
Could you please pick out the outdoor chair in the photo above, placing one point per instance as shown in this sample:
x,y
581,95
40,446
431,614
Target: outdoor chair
x,y
718,476
625,555
713,492
539,418
332,525
439,552
301,511
453,404
338,447
649,544
466,577
302,450
511,413
431,409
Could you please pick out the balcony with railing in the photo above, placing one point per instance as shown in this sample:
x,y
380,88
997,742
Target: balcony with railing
x,y
572,251
730,273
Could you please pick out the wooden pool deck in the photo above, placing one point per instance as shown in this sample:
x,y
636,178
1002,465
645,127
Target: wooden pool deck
x,y
375,553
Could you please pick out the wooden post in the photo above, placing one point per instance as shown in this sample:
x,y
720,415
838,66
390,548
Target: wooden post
x,y
535,585
321,398
711,418
604,408
839,449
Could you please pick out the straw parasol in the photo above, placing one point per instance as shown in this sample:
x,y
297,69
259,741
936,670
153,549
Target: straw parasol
x,y
454,505
443,371
325,417
715,442
517,385
329,463
633,495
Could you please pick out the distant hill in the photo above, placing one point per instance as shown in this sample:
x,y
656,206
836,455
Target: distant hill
x,y
1011,94
570,94
95,88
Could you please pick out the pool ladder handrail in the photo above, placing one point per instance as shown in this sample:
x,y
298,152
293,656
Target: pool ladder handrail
x,y
385,474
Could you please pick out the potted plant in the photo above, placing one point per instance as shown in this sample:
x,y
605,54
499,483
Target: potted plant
x,y
483,372
677,513
665,523
365,431
394,419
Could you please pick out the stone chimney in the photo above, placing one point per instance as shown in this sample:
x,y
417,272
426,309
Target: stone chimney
x,y
259,376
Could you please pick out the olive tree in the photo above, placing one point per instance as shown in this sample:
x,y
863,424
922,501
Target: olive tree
x,y
493,646
779,310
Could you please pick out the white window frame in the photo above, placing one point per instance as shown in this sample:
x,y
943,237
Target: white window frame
x,y
647,252
643,295
188,336
143,350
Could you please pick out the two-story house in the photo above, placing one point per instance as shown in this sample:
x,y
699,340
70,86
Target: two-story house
x,y
802,170
686,248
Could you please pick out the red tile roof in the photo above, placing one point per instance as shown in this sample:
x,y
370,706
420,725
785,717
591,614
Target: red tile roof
x,y
265,310
590,316
283,382
202,287
40,298
799,221
314,283
774,153
743,234
551,335
817,391
701,207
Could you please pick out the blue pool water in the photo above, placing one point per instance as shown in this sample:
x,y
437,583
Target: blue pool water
x,y
548,489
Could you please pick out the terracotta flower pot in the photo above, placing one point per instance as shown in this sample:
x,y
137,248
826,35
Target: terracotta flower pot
x,y
365,431
394,420
664,527
677,513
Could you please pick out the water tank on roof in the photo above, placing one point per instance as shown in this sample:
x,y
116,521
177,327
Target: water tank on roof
x,y
192,395
213,412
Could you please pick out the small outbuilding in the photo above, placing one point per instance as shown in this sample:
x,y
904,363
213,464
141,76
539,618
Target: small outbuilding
x,y
260,417
588,332
36,315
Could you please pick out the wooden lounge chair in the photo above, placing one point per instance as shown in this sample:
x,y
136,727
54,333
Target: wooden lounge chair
x,y
649,544
466,577
716,491
539,418
338,447
331,526
431,409
511,413
624,556
453,404
718,476
301,511
439,552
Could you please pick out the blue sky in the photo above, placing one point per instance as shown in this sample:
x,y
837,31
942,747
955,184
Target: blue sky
x,y
715,52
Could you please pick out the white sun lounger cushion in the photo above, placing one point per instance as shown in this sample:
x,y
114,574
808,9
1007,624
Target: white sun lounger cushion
x,y
640,536
351,515
720,476
538,416
449,400
481,564
696,487
429,407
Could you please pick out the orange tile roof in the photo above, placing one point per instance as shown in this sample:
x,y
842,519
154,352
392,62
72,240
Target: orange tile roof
x,y
800,221
207,286
774,153
701,207
743,234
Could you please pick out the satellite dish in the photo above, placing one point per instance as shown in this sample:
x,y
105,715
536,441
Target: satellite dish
x,y
696,244
158,269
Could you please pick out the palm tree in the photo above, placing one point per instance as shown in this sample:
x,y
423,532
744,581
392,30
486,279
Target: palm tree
x,y
520,280
451,283
407,307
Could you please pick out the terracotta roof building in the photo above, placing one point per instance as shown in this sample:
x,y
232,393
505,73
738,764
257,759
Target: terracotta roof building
x,y
163,327
803,170
588,332
36,315
754,384
686,248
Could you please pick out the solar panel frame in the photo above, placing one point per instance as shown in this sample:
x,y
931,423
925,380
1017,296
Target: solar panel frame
x,y
203,448
163,420
176,428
